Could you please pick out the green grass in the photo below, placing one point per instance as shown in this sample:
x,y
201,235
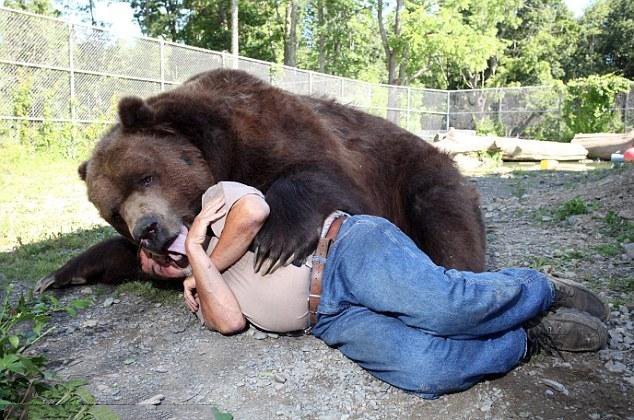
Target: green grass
x,y
607,250
159,291
619,228
570,208
45,217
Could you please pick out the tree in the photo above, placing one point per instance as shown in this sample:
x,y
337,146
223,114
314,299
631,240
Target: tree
x,y
455,43
340,38
540,46
41,7
617,43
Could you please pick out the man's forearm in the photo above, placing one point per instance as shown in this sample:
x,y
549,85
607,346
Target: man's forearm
x,y
219,305
243,222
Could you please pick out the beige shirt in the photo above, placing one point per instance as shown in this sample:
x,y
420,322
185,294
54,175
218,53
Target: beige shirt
x,y
274,302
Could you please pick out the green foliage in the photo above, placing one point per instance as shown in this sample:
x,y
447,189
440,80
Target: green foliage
x,y
619,228
25,385
571,207
608,250
160,291
589,104
487,127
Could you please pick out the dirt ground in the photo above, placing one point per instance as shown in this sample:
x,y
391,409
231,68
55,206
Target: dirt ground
x,y
131,348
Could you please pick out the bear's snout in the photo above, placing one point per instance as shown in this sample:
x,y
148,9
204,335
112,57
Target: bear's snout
x,y
151,233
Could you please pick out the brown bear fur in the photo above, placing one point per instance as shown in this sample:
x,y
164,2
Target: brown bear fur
x,y
309,156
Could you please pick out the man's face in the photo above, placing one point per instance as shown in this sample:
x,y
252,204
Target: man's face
x,y
151,267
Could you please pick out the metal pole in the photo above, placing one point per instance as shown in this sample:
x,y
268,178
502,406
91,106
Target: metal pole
x,y
71,66
224,59
162,49
310,82
625,109
341,87
408,107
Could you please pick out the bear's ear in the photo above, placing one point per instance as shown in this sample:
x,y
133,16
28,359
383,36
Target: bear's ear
x,y
135,112
82,170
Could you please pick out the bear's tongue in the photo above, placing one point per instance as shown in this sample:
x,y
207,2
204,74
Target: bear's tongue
x,y
177,249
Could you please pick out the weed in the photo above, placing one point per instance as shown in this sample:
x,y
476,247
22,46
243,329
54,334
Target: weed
x,y
571,207
159,291
619,228
519,189
621,284
26,388
607,250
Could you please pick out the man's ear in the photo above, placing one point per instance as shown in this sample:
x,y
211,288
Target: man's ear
x,y
82,170
135,112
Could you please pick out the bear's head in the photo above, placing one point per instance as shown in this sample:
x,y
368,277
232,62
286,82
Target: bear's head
x,y
146,177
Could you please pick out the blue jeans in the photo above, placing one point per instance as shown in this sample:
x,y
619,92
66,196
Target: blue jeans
x,y
418,326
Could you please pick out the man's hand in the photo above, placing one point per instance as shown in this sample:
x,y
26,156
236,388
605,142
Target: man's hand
x,y
189,293
213,211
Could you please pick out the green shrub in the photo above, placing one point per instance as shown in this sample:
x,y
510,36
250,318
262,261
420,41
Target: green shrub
x,y
571,207
589,104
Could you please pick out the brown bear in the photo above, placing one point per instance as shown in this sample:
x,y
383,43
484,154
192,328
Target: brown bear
x,y
308,155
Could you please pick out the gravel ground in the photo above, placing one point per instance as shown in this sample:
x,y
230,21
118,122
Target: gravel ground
x,y
132,349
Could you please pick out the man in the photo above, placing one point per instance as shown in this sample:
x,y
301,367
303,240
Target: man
x,y
382,301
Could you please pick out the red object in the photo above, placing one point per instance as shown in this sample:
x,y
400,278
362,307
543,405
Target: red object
x,y
628,156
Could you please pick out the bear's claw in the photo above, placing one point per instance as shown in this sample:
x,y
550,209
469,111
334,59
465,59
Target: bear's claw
x,y
44,283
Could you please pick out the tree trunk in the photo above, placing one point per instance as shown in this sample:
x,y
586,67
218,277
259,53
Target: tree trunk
x,y
290,44
392,58
322,38
234,32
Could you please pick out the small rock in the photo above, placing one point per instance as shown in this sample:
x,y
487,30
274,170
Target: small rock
x,y
155,400
115,301
546,218
630,380
160,369
549,392
109,301
259,335
629,249
615,367
279,378
627,214
89,323
86,291
555,385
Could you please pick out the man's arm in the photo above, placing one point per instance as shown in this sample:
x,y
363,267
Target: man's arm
x,y
244,220
221,311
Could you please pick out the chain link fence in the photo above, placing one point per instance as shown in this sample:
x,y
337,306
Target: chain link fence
x,y
54,72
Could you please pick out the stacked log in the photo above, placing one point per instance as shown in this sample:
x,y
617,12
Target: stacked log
x,y
602,145
515,149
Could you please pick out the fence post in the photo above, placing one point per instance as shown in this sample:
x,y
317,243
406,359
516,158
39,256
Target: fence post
x,y
626,109
224,59
341,87
162,51
71,66
408,107
448,109
310,82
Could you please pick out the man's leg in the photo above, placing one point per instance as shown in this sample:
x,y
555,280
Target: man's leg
x,y
413,360
373,264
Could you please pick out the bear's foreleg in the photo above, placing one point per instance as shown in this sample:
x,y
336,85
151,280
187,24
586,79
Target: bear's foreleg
x,y
111,261
300,202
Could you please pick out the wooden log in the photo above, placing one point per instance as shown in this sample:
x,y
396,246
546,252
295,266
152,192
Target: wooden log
x,y
535,150
602,145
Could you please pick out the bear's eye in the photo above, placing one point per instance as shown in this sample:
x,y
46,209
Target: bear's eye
x,y
147,181
115,215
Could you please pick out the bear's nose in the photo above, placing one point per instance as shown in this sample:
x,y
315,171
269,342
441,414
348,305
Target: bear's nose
x,y
146,229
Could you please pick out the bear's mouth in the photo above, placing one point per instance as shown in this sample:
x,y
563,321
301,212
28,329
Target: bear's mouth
x,y
175,254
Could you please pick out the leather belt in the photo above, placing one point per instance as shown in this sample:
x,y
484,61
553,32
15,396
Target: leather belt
x,y
317,272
